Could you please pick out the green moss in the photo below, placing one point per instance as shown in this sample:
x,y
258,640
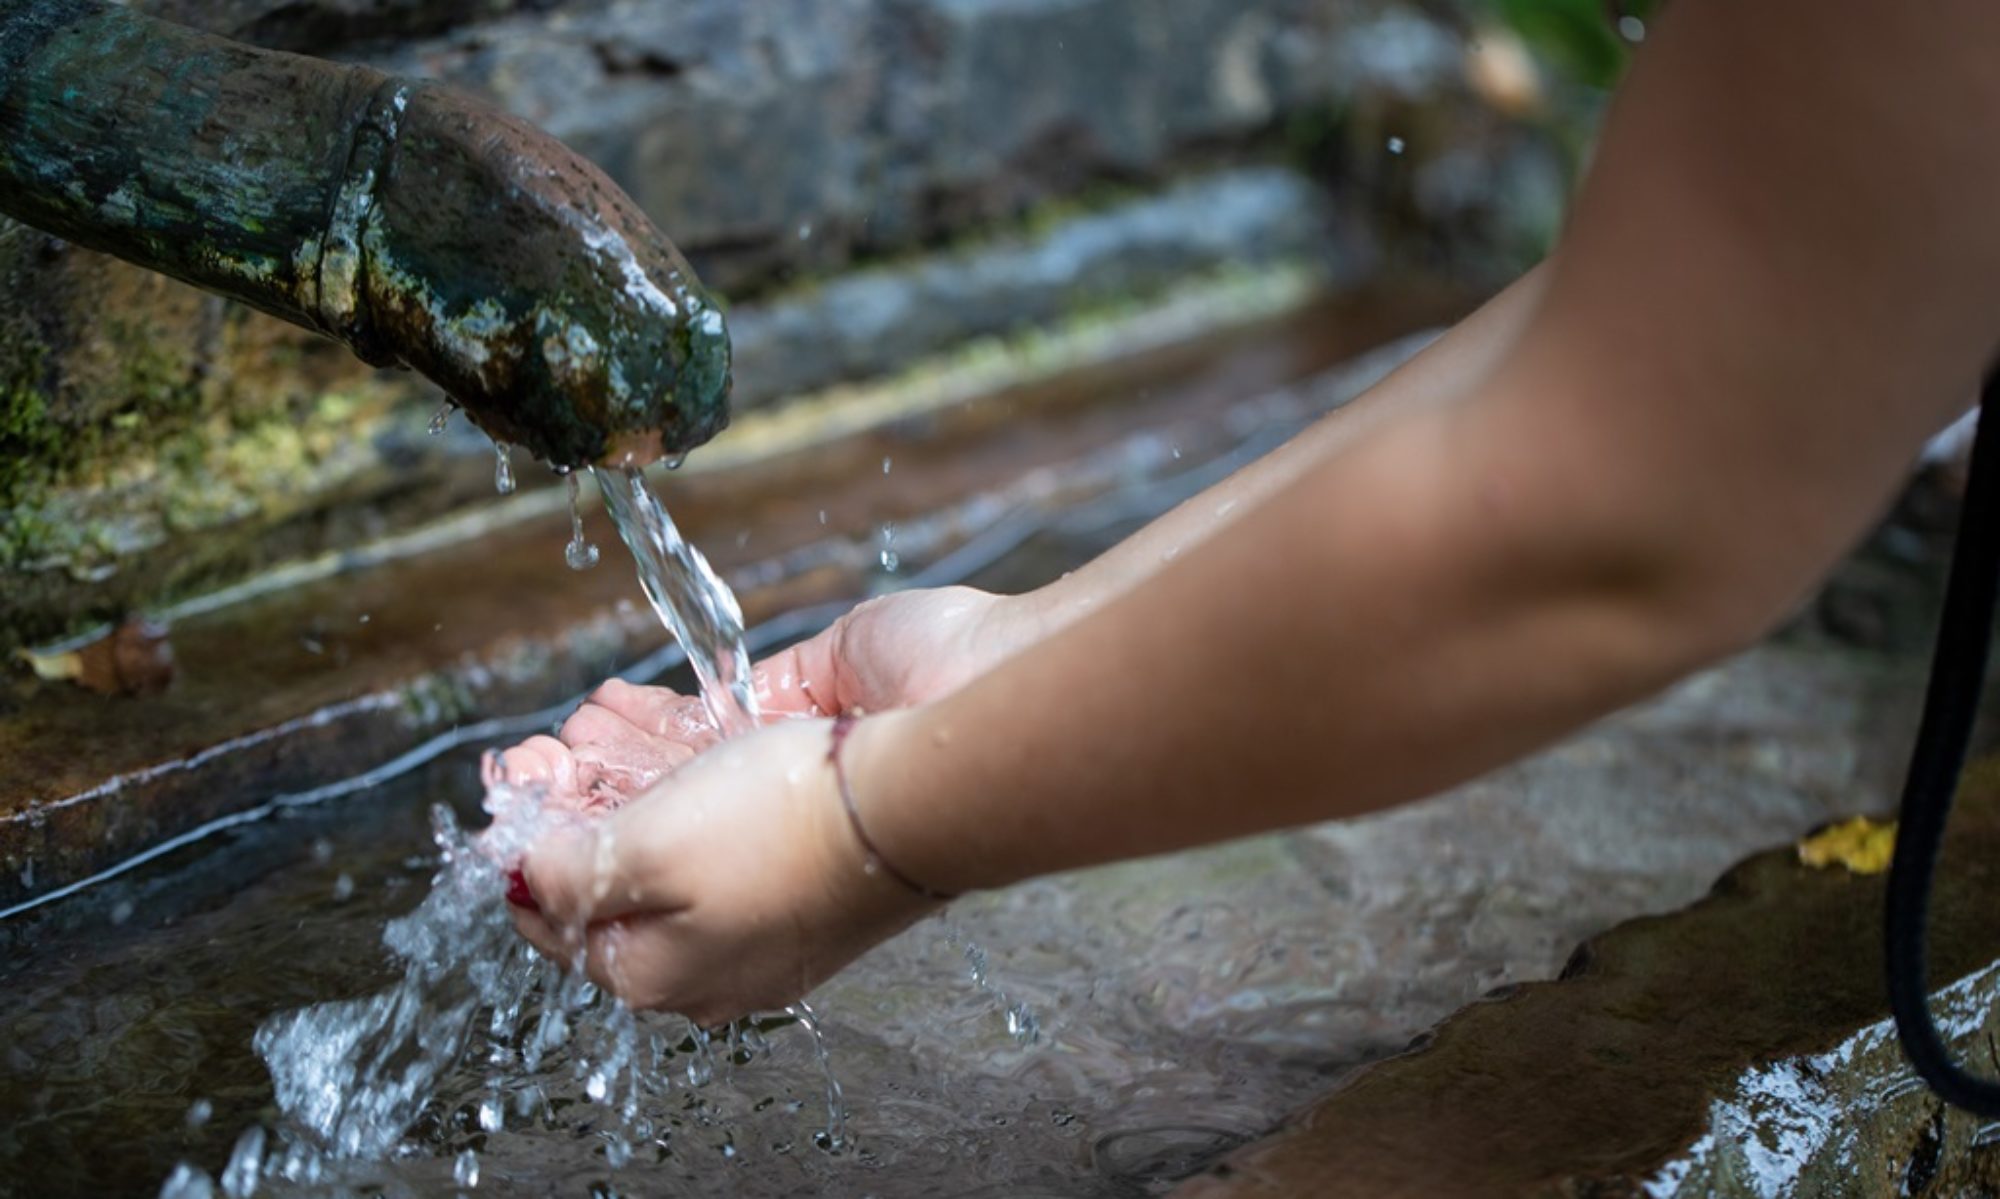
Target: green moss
x,y
30,437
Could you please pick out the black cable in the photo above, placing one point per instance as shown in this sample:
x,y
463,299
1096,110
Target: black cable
x,y
1951,703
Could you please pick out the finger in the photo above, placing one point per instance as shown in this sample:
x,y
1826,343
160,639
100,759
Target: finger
x,y
637,959
604,869
800,680
658,710
540,759
545,937
620,773
595,722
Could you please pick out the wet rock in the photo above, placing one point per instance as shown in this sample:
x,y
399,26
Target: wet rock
x,y
1739,1047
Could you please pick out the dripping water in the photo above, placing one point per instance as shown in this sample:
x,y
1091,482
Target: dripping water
x,y
503,468
579,554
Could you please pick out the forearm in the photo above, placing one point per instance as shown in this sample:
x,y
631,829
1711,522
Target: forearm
x,y
1441,371
1374,632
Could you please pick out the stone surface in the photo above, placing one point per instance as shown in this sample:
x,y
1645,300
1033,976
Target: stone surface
x,y
1741,1047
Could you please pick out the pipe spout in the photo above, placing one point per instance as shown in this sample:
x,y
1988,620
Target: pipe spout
x,y
412,224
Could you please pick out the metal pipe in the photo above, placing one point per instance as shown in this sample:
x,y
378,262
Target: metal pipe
x,y
412,224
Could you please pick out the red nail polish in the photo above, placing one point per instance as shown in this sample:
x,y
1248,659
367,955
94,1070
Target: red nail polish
x,y
518,893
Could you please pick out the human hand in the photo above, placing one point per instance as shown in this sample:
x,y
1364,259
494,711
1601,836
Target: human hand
x,y
734,885
890,652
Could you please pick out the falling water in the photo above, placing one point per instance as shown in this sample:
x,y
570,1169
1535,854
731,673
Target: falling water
x,y
579,554
688,596
503,469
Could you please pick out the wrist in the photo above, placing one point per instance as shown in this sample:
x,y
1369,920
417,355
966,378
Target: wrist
x,y
877,763
1015,622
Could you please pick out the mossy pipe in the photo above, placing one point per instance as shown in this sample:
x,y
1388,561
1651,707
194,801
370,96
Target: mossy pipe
x,y
411,223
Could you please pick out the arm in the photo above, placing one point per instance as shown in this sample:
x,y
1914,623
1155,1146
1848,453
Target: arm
x,y
1441,371
1780,278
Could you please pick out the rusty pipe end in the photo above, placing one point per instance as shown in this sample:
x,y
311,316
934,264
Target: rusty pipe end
x,y
482,252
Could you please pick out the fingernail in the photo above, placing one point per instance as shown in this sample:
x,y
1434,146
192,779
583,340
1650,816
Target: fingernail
x,y
518,893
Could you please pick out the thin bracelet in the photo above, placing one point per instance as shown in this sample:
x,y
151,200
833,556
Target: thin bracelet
x,y
843,724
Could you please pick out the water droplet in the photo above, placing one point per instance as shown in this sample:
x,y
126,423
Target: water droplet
x,y
121,911
676,461
1022,1024
246,1164
198,1113
1396,145
503,469
465,1171
890,561
188,1182
579,554
343,888
885,465
1631,28
805,230
1177,453
822,516
491,1117
438,421
699,1071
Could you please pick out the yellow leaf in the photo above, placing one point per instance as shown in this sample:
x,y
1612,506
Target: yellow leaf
x,y
1860,844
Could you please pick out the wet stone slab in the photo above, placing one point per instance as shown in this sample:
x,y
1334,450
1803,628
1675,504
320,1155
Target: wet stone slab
x,y
1740,1047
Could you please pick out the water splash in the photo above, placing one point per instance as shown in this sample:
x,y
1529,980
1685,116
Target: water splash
x,y
579,554
1022,1025
689,597
888,556
503,468
477,1026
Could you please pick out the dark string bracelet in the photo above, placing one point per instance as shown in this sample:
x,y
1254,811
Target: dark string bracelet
x,y
843,724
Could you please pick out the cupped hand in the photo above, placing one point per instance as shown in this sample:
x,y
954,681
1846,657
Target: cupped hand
x,y
895,651
890,652
734,885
